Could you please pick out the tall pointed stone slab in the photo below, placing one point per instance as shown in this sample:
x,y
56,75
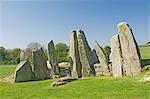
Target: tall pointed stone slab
x,y
74,54
115,57
23,72
130,50
85,55
102,58
52,57
40,64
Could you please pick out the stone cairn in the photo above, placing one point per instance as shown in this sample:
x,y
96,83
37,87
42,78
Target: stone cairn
x,y
125,55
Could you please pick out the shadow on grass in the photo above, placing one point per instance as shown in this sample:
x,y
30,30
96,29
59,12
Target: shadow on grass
x,y
145,62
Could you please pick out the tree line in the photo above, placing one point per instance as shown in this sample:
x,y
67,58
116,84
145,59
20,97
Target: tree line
x,y
12,56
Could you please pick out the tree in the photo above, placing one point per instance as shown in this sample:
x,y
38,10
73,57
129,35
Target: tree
x,y
2,53
62,51
15,55
35,45
107,51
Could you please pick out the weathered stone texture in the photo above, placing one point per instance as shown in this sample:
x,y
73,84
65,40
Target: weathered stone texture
x,y
85,55
40,64
23,56
102,58
95,57
115,57
130,50
74,54
52,57
23,72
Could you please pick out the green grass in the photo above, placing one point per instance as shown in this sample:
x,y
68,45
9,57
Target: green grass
x,y
6,70
145,52
85,88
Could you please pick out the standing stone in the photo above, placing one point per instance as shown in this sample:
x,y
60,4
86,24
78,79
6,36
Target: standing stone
x,y
85,55
52,57
115,57
23,72
102,58
130,50
23,56
40,64
74,54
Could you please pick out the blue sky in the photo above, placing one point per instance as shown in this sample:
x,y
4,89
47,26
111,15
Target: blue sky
x,y
25,21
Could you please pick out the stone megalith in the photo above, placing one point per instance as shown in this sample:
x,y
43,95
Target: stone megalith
x,y
40,64
85,55
115,57
23,72
130,50
74,55
52,57
23,56
102,58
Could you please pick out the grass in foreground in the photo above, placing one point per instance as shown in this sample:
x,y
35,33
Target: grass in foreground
x,y
85,88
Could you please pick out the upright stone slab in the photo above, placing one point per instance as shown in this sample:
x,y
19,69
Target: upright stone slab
x,y
23,72
74,54
85,55
130,50
115,57
40,64
102,58
23,56
52,57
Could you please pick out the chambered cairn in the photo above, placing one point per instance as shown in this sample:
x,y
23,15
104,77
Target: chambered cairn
x,y
124,60
81,53
125,55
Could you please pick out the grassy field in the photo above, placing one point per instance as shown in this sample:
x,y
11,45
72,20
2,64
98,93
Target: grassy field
x,y
85,88
145,52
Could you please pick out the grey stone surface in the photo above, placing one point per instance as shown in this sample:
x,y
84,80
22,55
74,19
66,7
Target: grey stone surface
x,y
115,57
74,55
40,64
130,50
23,72
85,55
52,57
102,58
95,57
23,56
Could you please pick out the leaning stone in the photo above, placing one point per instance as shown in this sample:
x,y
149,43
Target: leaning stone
x,y
23,72
85,55
58,83
40,64
74,55
115,57
102,58
130,50
52,57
